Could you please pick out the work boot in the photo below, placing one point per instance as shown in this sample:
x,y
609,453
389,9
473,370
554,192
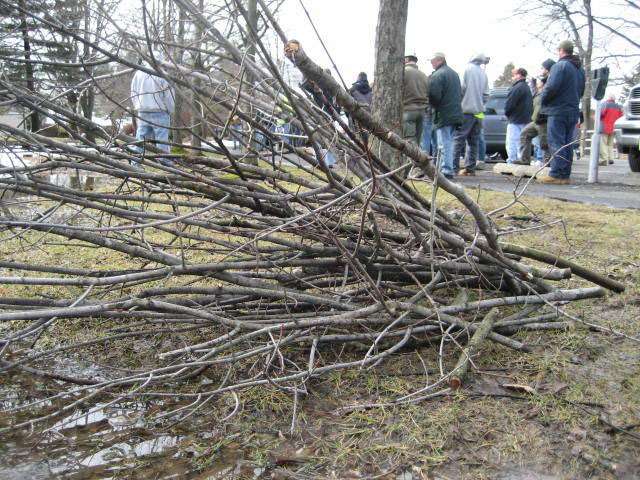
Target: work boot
x,y
554,180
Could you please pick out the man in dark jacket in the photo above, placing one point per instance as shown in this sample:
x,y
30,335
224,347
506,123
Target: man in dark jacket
x,y
445,97
323,100
362,93
518,109
560,100
537,128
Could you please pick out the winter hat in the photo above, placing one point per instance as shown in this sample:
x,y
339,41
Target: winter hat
x,y
362,76
567,46
547,64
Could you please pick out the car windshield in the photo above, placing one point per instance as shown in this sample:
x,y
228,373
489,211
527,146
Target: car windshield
x,y
496,103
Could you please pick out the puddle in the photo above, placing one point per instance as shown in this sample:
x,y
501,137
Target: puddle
x,y
18,157
110,440
74,181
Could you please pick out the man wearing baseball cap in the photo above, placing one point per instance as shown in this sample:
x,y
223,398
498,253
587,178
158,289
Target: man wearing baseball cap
x,y
560,100
415,99
445,96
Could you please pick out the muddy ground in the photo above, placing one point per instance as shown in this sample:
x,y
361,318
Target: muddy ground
x,y
573,412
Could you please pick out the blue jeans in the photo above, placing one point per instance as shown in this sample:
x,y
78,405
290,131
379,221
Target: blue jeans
x,y
154,125
482,145
236,133
537,150
445,141
467,135
513,141
425,140
329,158
560,132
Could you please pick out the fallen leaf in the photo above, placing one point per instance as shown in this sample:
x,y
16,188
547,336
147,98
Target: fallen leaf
x,y
519,388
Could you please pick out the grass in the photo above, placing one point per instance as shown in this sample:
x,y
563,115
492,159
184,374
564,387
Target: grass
x,y
595,375
581,376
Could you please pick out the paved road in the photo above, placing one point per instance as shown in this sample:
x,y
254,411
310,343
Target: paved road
x,y
617,186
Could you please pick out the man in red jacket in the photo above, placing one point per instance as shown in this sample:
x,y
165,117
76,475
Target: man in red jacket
x,y
611,111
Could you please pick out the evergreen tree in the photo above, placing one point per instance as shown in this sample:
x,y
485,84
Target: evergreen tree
x,y
33,55
506,79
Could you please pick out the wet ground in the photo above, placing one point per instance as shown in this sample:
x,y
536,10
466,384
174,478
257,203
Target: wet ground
x,y
124,440
111,440
616,187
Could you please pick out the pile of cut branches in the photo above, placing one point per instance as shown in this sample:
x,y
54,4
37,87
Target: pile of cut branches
x,y
248,265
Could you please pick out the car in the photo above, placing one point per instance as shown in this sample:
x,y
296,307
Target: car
x,y
495,122
627,129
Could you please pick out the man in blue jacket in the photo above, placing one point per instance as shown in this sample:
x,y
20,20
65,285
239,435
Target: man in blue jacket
x,y
560,102
518,109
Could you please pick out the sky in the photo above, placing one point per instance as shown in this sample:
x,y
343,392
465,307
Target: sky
x,y
459,28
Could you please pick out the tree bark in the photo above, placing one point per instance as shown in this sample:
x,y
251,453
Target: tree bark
x,y
34,116
388,75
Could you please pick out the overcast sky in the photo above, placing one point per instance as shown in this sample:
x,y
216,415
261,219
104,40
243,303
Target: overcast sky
x,y
459,28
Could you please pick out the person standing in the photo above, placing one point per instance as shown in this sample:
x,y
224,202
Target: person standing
x,y
324,101
236,132
415,99
475,93
154,102
537,128
361,93
560,100
546,68
611,111
445,97
518,109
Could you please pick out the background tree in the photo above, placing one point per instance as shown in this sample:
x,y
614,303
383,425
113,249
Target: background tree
x,y
630,81
506,79
606,27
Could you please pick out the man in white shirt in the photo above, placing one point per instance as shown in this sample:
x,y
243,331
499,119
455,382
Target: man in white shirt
x,y
154,102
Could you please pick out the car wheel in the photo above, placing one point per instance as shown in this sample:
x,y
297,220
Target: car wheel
x,y
634,160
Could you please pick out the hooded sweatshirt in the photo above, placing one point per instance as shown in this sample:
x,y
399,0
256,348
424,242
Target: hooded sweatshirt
x,y
151,94
564,89
475,86
361,92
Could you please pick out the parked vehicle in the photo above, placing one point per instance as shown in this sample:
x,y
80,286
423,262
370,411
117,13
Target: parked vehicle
x,y
627,129
495,122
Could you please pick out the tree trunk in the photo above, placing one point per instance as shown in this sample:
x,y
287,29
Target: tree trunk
x,y
180,106
388,75
199,132
252,19
34,117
